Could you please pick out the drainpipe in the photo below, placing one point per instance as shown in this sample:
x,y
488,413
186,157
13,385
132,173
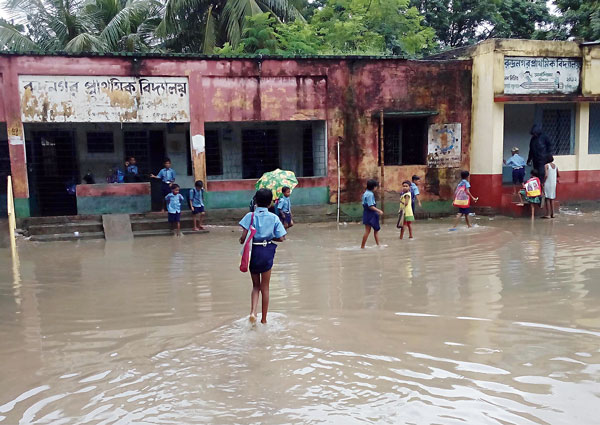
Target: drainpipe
x,y
382,164
338,180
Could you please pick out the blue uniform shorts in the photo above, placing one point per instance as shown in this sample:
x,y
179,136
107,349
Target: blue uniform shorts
x,y
197,210
262,257
174,217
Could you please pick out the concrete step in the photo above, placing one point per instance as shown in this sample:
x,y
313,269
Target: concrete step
x,y
76,226
166,232
38,221
66,237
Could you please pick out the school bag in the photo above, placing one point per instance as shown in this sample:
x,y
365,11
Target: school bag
x,y
533,188
247,246
461,197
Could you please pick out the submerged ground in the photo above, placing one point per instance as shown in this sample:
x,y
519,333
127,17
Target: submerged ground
x,y
499,324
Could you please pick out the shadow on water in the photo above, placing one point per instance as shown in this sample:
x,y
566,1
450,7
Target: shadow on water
x,y
499,324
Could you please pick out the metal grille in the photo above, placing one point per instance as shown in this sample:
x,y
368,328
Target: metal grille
x,y
100,142
214,161
136,145
53,172
308,163
4,164
392,144
260,152
556,124
594,140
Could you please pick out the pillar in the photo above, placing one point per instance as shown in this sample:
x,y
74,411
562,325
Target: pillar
x,y
487,130
16,138
197,135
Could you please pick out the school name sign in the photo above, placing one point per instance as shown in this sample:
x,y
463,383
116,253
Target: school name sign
x,y
526,75
104,99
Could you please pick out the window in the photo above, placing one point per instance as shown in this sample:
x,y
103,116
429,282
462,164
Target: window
x,y
100,142
308,163
214,161
558,125
594,138
405,141
260,152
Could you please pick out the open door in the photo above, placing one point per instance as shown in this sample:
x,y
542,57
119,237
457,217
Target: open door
x,y
53,172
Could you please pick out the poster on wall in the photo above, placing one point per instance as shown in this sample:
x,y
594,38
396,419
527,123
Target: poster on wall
x,y
525,75
444,145
104,99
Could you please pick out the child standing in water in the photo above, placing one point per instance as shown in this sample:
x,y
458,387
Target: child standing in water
x,y
414,192
462,199
268,230
370,213
550,182
532,192
284,205
197,205
173,201
406,205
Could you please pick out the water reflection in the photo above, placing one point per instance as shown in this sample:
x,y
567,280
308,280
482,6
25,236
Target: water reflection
x,y
496,325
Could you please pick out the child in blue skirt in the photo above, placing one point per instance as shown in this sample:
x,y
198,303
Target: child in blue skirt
x,y
269,230
370,213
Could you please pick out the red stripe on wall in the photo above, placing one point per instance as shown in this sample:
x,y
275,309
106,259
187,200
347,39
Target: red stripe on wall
x,y
122,189
488,188
228,185
572,186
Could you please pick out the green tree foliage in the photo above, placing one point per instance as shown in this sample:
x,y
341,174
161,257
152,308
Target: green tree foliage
x,y
199,25
462,22
80,26
372,26
578,18
341,27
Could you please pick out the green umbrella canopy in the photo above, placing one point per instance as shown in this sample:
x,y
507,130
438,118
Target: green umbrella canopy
x,y
276,180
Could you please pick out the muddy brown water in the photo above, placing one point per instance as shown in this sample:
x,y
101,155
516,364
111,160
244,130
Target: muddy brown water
x,y
499,324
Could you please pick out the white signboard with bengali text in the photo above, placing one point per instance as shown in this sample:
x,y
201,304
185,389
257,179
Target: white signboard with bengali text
x,y
104,99
444,145
526,75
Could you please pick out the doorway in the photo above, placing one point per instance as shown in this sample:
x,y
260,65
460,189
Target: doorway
x,y
53,172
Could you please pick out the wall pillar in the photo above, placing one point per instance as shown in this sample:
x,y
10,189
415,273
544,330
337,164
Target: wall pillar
x,y
16,139
487,132
197,134
582,134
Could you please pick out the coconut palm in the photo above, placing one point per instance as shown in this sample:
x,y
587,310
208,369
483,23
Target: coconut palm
x,y
199,25
80,25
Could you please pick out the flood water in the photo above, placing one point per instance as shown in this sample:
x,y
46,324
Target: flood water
x,y
499,324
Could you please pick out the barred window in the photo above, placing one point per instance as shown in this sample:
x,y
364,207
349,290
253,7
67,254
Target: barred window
x,y
405,141
594,137
558,124
100,142
214,161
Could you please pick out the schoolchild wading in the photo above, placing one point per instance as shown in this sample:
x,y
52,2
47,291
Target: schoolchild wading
x,y
269,230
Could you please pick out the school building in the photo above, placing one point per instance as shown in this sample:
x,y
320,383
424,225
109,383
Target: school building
x,y
328,119
517,83
227,121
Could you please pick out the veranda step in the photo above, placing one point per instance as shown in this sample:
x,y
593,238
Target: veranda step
x,y
166,232
76,226
66,237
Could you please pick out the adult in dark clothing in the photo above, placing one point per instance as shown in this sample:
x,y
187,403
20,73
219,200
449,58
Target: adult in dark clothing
x,y
540,149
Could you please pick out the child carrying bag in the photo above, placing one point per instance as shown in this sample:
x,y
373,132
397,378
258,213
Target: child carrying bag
x,y
533,188
461,197
247,246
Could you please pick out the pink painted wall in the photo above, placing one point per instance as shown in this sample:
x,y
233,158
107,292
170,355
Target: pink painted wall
x,y
345,92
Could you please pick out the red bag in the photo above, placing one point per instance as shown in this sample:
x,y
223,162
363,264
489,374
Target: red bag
x,y
247,247
461,197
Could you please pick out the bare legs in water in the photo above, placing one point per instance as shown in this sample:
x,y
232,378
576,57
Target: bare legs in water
x,y
260,284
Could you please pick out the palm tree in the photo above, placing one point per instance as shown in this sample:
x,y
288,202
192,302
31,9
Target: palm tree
x,y
200,25
80,25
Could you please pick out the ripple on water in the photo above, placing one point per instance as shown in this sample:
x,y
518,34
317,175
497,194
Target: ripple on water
x,y
502,332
